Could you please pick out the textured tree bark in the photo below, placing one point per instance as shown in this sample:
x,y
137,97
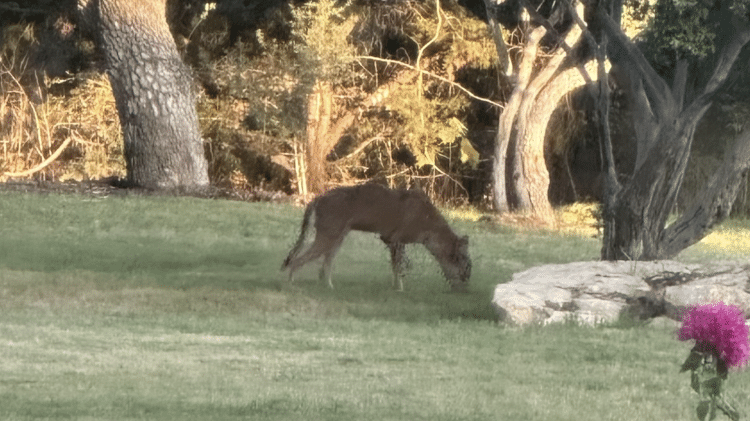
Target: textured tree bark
x,y
643,205
636,215
153,90
506,125
531,178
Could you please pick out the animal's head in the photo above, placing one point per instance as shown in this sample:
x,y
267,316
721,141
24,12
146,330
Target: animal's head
x,y
457,265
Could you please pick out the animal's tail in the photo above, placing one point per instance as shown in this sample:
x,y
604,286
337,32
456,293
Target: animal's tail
x,y
303,233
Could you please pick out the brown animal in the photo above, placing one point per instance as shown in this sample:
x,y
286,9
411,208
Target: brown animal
x,y
399,216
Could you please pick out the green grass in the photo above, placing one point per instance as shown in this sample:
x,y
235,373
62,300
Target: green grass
x,y
174,308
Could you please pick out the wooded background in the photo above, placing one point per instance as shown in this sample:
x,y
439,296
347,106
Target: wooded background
x,y
302,96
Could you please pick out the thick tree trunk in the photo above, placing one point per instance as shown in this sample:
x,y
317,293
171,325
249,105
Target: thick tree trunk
x,y
153,90
530,175
643,205
636,214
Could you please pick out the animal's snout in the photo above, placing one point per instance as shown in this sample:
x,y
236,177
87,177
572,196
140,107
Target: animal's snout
x,y
462,286
467,274
461,282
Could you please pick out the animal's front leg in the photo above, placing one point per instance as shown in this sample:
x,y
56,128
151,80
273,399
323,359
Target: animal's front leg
x,y
398,261
325,270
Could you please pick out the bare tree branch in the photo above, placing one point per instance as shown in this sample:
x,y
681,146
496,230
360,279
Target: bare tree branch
x,y
454,84
564,43
43,164
726,60
655,86
497,36
680,82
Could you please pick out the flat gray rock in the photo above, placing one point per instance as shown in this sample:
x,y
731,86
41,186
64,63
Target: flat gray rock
x,y
595,292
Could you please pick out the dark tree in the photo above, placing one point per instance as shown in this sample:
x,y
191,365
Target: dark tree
x,y
666,112
153,90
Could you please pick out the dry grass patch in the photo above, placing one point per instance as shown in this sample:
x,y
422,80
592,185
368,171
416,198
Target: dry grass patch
x,y
731,237
582,219
49,130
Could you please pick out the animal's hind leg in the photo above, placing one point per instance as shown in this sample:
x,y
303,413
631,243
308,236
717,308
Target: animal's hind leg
x,y
325,270
317,249
398,262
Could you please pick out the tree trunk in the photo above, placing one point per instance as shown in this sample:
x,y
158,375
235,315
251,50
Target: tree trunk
x,y
153,90
530,176
507,121
636,215
644,203
319,139
497,36
523,125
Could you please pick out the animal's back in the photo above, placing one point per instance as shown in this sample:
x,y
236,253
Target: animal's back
x,y
366,207
397,215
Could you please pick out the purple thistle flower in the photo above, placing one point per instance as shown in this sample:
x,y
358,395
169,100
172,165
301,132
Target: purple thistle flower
x,y
719,328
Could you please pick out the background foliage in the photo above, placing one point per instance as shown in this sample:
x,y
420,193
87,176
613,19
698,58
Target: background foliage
x,y
394,70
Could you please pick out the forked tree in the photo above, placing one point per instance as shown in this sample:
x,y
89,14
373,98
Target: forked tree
x,y
667,110
543,75
666,113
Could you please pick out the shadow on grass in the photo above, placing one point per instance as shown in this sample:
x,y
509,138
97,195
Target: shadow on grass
x,y
138,407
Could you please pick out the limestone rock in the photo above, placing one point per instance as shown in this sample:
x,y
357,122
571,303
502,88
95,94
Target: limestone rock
x,y
594,292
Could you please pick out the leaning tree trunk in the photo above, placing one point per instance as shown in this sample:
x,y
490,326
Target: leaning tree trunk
x,y
502,139
636,213
714,203
153,90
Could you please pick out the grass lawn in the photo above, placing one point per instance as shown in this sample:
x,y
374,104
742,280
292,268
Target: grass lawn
x,y
174,308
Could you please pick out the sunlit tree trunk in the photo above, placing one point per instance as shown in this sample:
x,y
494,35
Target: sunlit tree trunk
x,y
519,152
319,139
